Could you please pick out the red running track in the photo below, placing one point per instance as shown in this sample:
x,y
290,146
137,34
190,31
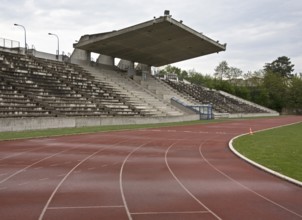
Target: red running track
x,y
184,172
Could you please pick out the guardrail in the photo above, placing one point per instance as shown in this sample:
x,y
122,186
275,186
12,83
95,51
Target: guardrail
x,y
7,43
204,111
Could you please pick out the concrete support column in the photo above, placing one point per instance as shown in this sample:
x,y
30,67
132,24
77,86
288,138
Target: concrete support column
x,y
79,54
128,66
106,60
82,55
145,69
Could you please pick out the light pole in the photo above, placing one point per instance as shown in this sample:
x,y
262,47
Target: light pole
x,y
25,44
58,52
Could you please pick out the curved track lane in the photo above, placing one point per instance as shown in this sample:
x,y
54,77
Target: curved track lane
x,y
184,172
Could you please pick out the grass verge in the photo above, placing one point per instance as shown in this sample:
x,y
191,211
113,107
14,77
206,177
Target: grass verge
x,y
83,130
279,149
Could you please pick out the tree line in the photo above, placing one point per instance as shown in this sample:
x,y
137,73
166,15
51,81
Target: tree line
x,y
275,86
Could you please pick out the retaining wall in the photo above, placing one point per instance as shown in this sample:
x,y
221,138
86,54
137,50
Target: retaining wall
x,y
23,124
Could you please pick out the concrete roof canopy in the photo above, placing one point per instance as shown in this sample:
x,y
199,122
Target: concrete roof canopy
x,y
157,42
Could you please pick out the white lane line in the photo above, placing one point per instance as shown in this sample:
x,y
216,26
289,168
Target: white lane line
x,y
61,182
20,153
121,180
183,186
3,188
21,170
43,179
168,213
24,183
245,187
88,207
67,175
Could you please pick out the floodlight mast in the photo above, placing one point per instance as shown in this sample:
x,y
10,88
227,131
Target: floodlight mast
x,y
25,43
58,47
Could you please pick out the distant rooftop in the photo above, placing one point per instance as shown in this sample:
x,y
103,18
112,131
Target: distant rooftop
x,y
157,42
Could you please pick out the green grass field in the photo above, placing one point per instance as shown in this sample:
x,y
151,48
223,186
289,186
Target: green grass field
x,y
279,149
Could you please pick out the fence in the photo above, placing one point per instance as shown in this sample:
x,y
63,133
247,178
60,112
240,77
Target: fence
x,y
9,43
204,111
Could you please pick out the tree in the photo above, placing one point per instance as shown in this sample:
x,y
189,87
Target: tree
x,y
222,70
295,93
182,74
234,73
282,66
277,89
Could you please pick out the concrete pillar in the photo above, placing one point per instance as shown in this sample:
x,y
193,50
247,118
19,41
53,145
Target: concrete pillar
x,y
145,69
79,54
128,66
106,60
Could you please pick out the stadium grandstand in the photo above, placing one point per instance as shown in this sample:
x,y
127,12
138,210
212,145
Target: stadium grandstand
x,y
39,90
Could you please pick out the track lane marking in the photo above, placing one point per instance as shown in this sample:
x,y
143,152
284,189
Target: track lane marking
x,y
23,169
244,186
67,175
87,207
23,152
121,179
161,213
183,186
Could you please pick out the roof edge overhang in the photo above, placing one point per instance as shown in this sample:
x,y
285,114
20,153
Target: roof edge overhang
x,y
100,37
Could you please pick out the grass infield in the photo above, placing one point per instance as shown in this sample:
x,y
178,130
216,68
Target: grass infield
x,y
279,149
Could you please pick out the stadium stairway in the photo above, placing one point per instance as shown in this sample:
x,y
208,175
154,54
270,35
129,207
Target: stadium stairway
x,y
164,91
138,96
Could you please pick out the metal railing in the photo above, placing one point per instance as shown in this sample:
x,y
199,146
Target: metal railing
x,y
204,111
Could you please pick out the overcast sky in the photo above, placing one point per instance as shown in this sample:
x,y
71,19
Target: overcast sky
x,y
256,31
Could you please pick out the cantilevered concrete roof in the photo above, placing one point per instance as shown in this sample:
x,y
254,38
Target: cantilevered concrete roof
x,y
156,42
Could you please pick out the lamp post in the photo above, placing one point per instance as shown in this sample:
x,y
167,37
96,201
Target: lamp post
x,y
58,52
25,44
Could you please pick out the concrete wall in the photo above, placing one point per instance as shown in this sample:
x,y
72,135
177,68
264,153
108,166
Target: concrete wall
x,y
23,124
45,55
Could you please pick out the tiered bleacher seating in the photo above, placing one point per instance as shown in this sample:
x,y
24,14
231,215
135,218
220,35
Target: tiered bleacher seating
x,y
84,84
37,87
220,102
15,104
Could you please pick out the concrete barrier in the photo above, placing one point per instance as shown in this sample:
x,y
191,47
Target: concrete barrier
x,y
24,124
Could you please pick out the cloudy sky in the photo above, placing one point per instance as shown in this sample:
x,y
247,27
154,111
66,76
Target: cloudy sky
x,y
256,31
